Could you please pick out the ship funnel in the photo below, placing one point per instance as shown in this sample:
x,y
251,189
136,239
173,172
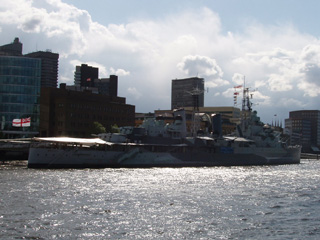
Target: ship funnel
x,y
216,125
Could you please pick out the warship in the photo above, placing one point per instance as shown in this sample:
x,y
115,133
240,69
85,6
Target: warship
x,y
159,144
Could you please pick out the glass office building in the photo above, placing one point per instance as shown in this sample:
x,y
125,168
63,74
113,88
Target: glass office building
x,y
19,95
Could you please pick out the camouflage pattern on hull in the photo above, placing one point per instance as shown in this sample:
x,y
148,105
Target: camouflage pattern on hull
x,y
140,157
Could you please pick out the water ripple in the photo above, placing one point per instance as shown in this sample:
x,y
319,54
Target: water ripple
x,y
274,202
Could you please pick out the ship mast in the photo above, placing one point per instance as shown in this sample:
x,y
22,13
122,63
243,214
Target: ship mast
x,y
246,105
236,93
243,94
195,93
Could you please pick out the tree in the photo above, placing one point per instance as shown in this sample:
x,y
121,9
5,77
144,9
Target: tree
x,y
115,128
97,128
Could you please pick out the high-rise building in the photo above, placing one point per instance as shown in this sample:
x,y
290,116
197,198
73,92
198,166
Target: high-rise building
x,y
85,75
21,78
188,92
49,67
107,86
12,49
19,95
304,128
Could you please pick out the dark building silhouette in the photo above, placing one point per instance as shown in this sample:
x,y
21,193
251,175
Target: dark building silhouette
x,y
87,78
107,86
304,128
188,92
70,113
12,49
49,67
85,75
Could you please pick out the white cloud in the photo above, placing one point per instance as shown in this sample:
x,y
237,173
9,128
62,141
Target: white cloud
x,y
311,53
310,89
280,83
260,99
193,65
203,66
289,102
119,72
238,78
228,93
133,92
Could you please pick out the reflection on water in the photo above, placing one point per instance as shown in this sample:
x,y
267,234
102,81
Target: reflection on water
x,y
278,202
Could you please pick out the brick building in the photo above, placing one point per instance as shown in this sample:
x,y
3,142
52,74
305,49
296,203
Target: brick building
x,y
72,113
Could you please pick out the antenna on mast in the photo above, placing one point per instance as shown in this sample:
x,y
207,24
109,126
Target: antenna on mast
x,y
195,93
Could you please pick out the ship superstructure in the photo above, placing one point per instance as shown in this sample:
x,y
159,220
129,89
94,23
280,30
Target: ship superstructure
x,y
156,144
159,144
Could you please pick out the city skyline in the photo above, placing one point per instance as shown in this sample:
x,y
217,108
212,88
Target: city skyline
x,y
274,45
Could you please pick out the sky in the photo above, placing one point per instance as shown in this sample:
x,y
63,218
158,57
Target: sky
x,y
274,45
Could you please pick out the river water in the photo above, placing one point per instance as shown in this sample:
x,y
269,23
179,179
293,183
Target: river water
x,y
265,202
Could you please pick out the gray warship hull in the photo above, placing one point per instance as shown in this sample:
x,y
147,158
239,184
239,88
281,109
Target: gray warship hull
x,y
147,156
